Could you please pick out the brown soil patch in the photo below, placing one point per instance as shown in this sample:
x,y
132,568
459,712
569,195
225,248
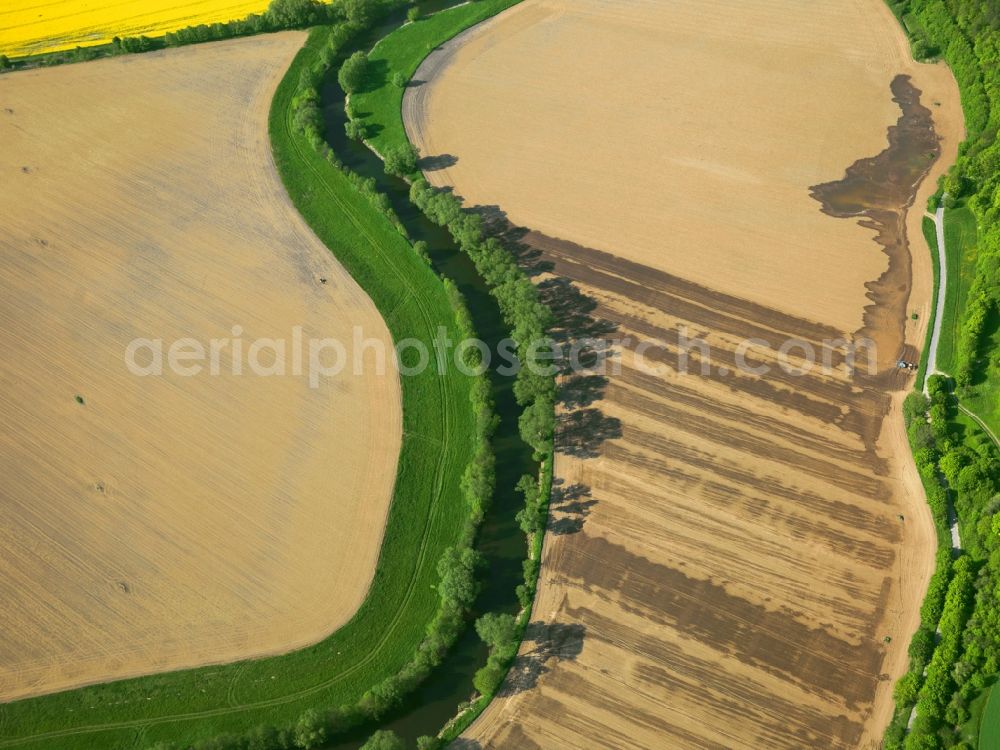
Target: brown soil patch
x,y
726,553
167,521
882,189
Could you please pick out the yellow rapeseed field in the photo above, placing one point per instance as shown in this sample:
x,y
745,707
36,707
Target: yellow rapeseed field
x,y
33,26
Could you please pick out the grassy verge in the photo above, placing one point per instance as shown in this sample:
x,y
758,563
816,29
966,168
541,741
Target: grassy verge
x,y
402,52
989,726
930,236
429,512
960,247
983,399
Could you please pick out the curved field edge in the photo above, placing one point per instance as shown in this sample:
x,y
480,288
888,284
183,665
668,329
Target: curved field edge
x,y
428,512
403,51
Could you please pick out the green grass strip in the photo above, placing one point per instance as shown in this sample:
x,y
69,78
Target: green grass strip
x,y
402,51
930,235
427,515
989,727
960,247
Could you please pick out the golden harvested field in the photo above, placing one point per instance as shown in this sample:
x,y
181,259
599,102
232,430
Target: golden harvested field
x,y
30,27
726,554
171,521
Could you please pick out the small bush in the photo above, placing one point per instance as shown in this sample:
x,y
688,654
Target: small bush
x,y
384,739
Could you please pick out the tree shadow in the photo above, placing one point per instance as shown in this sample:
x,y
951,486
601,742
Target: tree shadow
x,y
552,641
577,391
435,163
584,341
569,507
376,75
529,258
582,432
573,311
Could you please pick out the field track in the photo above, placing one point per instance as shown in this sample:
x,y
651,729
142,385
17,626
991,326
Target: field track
x,y
168,522
733,560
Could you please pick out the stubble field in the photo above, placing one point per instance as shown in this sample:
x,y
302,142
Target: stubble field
x,y
734,560
166,522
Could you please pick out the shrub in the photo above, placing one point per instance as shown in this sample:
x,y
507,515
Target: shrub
x,y
497,630
488,679
360,12
384,739
294,14
310,729
356,130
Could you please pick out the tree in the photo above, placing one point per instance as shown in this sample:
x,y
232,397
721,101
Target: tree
x,y
488,679
382,697
384,739
413,14
354,72
429,743
310,730
356,130
906,689
497,630
536,425
361,12
398,80
401,160
287,14
265,738
5,63
458,579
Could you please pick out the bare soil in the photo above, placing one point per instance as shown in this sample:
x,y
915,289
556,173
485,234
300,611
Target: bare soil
x,y
167,522
734,559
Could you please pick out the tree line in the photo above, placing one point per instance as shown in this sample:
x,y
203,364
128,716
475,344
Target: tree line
x,y
966,653
966,33
956,650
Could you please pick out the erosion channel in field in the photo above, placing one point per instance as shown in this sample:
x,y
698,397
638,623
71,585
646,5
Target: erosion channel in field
x,y
500,540
880,189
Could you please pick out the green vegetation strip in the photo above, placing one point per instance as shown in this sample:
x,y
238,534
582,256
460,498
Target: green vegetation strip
x,y
429,513
930,236
951,451
960,246
377,85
